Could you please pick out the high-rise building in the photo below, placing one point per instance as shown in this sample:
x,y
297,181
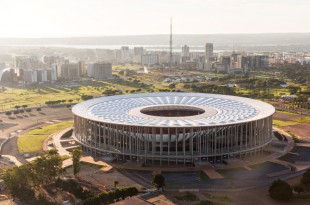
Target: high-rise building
x,y
209,55
82,68
185,51
30,76
225,61
70,70
41,75
125,54
90,70
257,61
149,59
209,51
52,73
100,70
138,51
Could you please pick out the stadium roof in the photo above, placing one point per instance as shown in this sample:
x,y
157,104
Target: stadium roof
x,y
217,109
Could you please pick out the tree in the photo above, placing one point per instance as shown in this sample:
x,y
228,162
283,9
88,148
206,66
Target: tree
x,y
280,190
47,167
86,97
8,113
17,107
24,106
158,181
17,177
299,189
76,156
305,180
115,184
38,109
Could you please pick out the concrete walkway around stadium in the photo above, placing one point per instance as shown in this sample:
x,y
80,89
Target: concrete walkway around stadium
x,y
88,159
63,151
57,142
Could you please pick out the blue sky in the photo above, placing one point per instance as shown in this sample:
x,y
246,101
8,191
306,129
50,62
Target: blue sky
x,y
65,18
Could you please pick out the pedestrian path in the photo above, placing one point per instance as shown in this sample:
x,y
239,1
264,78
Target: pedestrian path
x,y
13,159
106,167
57,142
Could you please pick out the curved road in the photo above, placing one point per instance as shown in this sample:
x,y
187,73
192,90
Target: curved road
x,y
12,128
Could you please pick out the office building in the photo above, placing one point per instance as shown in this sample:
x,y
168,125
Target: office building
x,y
185,51
70,70
149,59
101,70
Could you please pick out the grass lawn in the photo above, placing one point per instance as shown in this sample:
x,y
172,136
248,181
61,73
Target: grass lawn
x,y
281,123
217,198
187,197
92,165
304,120
284,123
286,112
32,140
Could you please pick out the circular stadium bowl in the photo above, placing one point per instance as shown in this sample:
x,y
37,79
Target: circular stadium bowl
x,y
173,128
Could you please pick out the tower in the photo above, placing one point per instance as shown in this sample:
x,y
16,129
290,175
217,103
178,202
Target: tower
x,y
208,51
170,56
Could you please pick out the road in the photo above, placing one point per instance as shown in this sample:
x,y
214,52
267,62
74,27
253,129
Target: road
x,y
13,127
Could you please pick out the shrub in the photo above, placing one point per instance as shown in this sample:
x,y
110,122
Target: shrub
x,y
299,189
205,202
305,180
280,190
188,197
111,196
75,188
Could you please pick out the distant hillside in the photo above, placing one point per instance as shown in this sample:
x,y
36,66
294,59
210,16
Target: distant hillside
x,y
293,41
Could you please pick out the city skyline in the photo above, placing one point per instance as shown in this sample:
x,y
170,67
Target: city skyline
x,y
34,18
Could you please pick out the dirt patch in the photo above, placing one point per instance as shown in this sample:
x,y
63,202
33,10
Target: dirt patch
x,y
103,180
300,130
286,116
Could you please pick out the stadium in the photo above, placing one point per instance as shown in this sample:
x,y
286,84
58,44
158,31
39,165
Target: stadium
x,y
173,128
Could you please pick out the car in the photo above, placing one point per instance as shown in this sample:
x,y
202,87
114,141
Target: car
x,y
26,155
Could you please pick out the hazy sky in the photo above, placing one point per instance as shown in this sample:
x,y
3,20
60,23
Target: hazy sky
x,y
65,18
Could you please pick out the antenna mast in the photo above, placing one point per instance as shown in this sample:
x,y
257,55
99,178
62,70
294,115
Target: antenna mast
x,y
170,43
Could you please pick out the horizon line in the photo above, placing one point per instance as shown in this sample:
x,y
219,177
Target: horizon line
x,y
132,35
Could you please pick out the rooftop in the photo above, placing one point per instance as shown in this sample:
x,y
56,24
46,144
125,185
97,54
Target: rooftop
x,y
173,109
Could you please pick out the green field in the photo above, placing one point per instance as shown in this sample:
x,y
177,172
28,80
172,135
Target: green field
x,y
32,140
33,97
281,123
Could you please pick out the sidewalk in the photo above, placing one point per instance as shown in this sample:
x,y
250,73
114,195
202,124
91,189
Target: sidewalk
x,y
13,159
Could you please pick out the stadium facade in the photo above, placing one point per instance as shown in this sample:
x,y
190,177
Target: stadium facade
x,y
173,128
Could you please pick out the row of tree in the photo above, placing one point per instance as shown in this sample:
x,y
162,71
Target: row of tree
x,y
16,112
20,106
55,102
